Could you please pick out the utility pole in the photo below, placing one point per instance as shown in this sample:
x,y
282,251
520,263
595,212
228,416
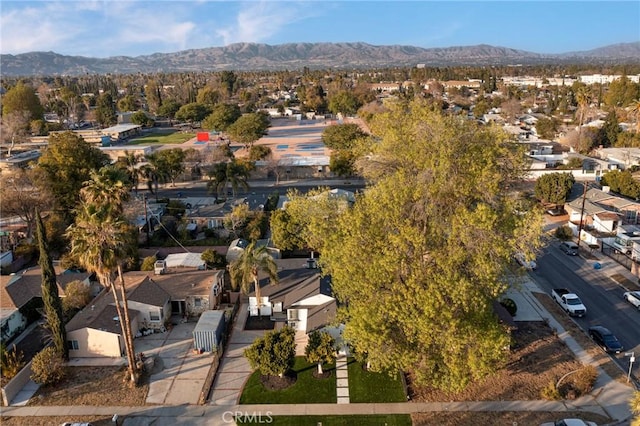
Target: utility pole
x,y
584,198
146,218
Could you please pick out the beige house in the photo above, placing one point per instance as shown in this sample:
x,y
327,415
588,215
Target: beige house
x,y
152,300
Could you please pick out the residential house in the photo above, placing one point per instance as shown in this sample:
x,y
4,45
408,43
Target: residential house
x,y
152,300
302,299
23,289
95,331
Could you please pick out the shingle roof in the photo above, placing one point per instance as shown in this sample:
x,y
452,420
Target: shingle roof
x,y
147,291
101,314
178,285
321,315
20,288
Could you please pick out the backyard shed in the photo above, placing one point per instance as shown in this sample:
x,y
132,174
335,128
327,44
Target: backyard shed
x,y
207,335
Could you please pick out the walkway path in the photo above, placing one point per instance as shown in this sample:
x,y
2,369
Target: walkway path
x,y
234,369
342,380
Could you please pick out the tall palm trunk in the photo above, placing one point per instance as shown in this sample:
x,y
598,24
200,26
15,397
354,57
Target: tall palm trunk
x,y
107,281
131,352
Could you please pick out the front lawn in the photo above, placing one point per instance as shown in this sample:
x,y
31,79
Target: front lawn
x,y
162,137
366,386
371,420
306,390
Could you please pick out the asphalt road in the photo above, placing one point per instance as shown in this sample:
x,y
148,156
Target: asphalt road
x,y
599,293
199,189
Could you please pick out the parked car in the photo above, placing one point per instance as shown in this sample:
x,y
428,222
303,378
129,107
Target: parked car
x,y
605,339
522,261
569,422
556,212
569,247
632,297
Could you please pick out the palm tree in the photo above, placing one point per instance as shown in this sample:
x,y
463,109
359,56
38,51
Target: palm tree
x,y
245,269
108,187
101,240
229,173
155,171
99,243
129,163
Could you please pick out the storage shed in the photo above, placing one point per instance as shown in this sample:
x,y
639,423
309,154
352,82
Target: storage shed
x,y
207,335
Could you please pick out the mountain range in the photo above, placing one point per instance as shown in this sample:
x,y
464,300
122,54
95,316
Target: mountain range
x,y
291,56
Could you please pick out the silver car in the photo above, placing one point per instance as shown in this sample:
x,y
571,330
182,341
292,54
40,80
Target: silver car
x,y
632,297
569,247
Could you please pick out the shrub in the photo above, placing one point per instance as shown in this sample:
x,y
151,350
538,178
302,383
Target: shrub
x,y
550,392
11,362
47,367
77,295
564,233
148,263
209,232
584,379
509,305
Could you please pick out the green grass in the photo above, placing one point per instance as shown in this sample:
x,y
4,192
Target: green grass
x,y
372,420
365,386
306,390
162,137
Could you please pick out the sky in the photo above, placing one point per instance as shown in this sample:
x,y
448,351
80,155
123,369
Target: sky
x,y
131,28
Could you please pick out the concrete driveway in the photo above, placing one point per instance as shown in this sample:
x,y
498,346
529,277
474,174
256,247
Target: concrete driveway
x,y
179,374
234,369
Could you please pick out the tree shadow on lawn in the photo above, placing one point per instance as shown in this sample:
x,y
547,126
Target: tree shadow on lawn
x,y
306,389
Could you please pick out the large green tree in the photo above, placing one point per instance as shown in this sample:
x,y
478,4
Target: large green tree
x,y
622,182
274,353
306,220
342,136
50,298
249,128
192,112
222,116
21,97
173,162
106,110
344,102
554,188
64,167
418,261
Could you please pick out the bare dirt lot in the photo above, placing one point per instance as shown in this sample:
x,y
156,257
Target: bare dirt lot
x,y
105,386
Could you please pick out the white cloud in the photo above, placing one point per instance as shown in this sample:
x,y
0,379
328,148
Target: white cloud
x,y
259,21
34,28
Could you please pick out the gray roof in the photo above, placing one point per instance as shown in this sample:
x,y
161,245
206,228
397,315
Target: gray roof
x,y
150,293
100,314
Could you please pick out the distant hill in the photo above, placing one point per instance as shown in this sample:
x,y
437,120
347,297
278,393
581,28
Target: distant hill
x,y
254,56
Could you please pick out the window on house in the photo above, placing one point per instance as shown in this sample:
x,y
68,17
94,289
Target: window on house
x,y
630,216
154,316
72,345
197,302
292,314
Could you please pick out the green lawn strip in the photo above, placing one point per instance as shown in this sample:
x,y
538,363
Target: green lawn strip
x,y
370,420
171,137
306,390
366,386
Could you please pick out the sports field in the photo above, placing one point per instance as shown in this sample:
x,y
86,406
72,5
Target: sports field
x,y
168,137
